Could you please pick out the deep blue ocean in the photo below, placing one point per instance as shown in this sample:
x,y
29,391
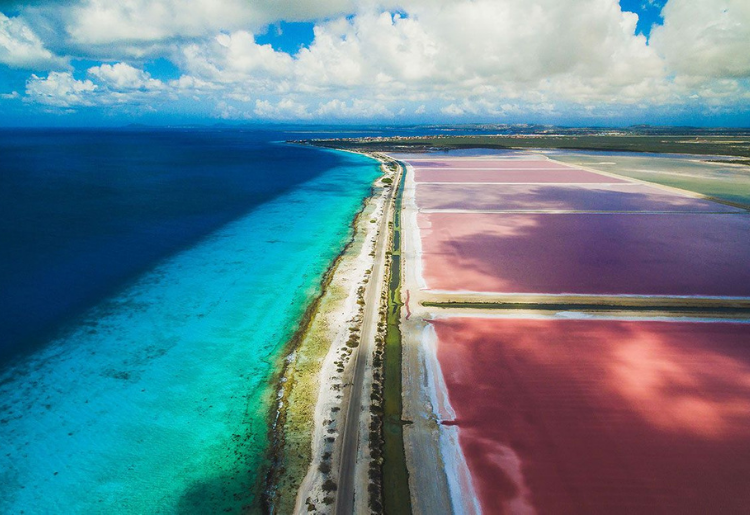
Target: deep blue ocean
x,y
83,212
148,282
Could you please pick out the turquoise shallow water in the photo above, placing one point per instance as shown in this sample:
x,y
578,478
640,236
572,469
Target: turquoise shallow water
x,y
156,400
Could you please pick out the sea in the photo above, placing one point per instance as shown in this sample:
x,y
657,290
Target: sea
x,y
149,281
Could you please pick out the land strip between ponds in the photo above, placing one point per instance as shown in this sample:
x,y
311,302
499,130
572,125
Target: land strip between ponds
x,y
592,311
578,212
458,300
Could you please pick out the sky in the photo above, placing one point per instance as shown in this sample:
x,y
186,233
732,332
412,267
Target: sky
x,y
564,62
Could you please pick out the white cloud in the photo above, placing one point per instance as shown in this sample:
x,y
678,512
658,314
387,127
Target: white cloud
x,y
502,49
20,47
285,109
107,85
10,96
188,84
535,52
60,89
459,58
102,22
483,107
452,110
123,77
706,38
357,109
236,58
380,49
497,51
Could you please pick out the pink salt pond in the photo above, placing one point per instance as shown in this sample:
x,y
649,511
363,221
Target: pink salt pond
x,y
615,197
601,417
664,254
493,164
530,176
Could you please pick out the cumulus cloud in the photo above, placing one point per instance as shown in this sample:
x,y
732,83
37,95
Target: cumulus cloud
x,y
706,38
371,48
103,22
123,77
356,109
452,110
106,85
236,58
483,106
495,51
484,47
20,47
188,84
383,58
285,109
60,89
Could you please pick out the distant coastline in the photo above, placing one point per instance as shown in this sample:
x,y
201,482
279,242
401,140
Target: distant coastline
x,y
732,143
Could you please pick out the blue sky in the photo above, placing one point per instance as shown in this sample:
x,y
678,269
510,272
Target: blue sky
x,y
573,62
648,11
288,37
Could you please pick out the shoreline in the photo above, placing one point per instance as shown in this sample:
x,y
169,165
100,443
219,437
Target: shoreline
x,y
311,375
283,381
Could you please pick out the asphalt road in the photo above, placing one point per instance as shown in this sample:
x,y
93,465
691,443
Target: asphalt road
x,y
349,434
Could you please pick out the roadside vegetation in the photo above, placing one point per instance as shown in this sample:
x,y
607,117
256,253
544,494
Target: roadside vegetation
x,y
396,496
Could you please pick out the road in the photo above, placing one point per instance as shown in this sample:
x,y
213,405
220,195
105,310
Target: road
x,y
349,434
